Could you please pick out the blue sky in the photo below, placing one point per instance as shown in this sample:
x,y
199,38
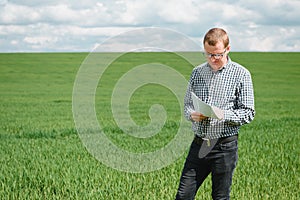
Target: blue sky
x,y
68,25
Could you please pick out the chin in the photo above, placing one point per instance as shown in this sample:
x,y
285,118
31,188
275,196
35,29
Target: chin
x,y
215,66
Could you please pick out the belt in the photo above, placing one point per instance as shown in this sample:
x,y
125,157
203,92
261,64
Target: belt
x,y
199,140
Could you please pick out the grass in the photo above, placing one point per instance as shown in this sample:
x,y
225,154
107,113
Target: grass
x,y
42,156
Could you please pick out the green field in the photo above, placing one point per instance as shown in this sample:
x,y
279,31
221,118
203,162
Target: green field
x,y
42,156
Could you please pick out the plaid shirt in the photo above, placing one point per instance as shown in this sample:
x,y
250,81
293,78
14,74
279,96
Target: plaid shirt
x,y
230,89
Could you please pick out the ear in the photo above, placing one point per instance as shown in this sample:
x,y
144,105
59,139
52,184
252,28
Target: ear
x,y
228,48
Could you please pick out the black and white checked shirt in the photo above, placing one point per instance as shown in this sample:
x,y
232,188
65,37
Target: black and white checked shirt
x,y
230,89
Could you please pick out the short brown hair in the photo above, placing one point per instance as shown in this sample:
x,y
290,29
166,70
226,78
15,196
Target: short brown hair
x,y
215,35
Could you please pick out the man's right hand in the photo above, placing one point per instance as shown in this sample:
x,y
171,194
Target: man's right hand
x,y
197,117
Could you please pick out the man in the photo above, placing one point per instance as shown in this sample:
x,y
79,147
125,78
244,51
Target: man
x,y
227,85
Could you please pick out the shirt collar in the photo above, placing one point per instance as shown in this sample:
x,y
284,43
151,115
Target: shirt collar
x,y
227,64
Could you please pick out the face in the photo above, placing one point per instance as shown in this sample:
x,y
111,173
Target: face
x,y
216,55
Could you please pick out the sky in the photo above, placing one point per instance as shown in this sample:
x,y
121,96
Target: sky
x,y
79,26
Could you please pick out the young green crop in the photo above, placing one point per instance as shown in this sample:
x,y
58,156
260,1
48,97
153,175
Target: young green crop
x,y
42,157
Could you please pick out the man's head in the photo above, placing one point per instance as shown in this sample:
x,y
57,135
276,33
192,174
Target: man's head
x,y
216,47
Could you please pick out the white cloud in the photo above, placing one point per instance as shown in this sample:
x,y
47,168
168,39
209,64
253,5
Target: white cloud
x,y
67,25
40,40
180,11
149,39
14,42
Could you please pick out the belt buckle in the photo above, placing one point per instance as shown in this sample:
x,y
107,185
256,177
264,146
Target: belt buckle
x,y
207,141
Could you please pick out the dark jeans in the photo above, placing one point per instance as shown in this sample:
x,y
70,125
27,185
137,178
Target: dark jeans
x,y
220,162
